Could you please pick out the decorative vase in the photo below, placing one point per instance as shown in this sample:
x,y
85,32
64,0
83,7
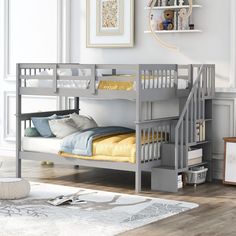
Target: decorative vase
x,y
181,3
153,24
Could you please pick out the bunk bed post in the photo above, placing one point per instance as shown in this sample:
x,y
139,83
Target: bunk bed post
x,y
76,103
138,171
190,75
18,122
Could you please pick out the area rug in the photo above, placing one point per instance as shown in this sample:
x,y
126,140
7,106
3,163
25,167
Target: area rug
x,y
102,213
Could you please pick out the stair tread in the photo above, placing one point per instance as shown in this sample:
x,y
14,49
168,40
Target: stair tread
x,y
198,143
194,143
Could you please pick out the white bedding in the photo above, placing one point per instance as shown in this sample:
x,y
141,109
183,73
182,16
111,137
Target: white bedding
x,y
84,84
40,144
52,145
79,84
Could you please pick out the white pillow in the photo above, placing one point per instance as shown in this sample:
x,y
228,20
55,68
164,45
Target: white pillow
x,y
64,72
83,122
62,127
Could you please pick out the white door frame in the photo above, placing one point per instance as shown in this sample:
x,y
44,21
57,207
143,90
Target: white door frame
x,y
7,80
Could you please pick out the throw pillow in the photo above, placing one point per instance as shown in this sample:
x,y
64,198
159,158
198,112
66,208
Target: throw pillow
x,y
83,122
31,132
42,125
62,127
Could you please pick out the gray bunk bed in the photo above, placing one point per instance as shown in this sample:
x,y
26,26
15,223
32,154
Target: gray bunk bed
x,y
193,85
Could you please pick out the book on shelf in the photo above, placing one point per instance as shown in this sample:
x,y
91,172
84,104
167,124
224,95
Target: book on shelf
x,y
200,131
195,161
194,153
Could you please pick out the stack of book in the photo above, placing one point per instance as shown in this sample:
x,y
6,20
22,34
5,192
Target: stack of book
x,y
180,181
200,131
194,156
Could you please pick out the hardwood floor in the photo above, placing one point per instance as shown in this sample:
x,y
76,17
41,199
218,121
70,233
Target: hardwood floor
x,y
216,214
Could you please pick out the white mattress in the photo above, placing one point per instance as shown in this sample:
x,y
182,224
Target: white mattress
x,y
52,145
37,83
80,84
40,144
84,84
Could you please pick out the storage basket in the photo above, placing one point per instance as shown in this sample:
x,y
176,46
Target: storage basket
x,y
196,175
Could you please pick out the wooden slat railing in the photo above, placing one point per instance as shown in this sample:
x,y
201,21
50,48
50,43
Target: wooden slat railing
x,y
193,111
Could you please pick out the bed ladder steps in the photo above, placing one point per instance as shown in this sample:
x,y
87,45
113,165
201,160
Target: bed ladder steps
x,y
193,130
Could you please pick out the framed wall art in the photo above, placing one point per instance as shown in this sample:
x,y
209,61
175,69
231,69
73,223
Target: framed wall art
x,y
230,160
110,23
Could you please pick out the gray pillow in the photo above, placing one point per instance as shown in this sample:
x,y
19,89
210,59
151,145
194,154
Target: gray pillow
x,y
62,127
83,122
42,125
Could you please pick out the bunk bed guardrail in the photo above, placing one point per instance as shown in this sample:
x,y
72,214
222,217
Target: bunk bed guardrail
x,y
156,80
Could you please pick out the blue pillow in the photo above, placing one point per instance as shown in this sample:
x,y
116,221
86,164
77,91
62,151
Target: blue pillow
x,y
42,125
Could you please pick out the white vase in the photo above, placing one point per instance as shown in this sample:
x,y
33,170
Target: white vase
x,y
153,23
181,2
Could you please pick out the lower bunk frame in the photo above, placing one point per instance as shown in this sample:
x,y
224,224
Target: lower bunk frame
x,y
146,156
124,166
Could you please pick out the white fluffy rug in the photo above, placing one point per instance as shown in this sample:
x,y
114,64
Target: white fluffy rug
x,y
104,213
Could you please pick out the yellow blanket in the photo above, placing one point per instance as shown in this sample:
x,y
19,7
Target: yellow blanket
x,y
117,148
119,85
116,85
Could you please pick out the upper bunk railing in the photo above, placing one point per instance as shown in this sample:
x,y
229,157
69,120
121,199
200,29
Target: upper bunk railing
x,y
48,79
193,112
148,82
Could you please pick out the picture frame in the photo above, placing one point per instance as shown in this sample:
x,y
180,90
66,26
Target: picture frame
x,y
230,161
109,23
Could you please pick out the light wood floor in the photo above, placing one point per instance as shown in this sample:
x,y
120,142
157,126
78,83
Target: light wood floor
x,y
216,214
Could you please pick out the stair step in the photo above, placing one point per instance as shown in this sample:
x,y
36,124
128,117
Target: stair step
x,y
198,143
180,170
200,164
194,143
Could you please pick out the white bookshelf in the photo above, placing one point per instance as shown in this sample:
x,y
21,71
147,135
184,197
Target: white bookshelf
x,y
172,31
172,7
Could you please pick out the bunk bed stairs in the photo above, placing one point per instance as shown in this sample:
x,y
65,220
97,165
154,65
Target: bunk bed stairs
x,y
192,131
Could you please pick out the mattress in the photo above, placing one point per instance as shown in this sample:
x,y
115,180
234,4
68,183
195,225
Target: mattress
x,y
40,144
147,81
37,83
105,85
117,148
48,83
